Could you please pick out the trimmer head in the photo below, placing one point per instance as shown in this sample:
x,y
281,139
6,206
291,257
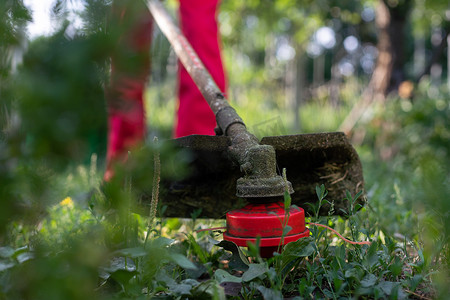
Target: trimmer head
x,y
237,163
310,160
265,221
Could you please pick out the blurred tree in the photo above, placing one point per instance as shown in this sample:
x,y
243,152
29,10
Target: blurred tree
x,y
61,101
431,20
52,111
282,37
12,36
394,19
390,20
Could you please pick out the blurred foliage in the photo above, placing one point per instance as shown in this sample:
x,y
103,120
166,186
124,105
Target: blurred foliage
x,y
407,154
52,114
61,86
15,16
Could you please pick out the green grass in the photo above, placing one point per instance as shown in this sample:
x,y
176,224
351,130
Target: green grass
x,y
105,252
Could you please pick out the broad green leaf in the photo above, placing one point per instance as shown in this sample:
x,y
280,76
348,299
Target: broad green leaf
x,y
23,257
401,294
6,252
180,289
163,277
415,280
254,270
120,263
369,280
396,267
132,252
208,290
6,266
300,248
353,272
20,251
328,293
319,191
294,252
358,195
223,276
286,230
387,286
182,261
199,270
161,242
123,276
184,287
238,260
270,294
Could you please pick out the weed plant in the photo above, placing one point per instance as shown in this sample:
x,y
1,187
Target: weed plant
x,y
105,252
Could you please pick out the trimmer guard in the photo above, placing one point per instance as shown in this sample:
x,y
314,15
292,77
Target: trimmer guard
x,y
310,160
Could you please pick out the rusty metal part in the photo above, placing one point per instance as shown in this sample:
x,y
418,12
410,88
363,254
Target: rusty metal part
x,y
262,183
256,161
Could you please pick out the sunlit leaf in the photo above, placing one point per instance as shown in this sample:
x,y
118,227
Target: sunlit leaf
x,y
254,271
5,265
184,287
270,294
6,252
132,252
223,276
123,276
182,261
369,280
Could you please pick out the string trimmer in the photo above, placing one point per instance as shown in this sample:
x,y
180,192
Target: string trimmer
x,y
236,163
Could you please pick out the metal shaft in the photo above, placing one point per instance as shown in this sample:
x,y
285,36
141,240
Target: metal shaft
x,y
256,161
193,64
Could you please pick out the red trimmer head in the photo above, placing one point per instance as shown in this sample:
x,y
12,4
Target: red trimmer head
x,y
266,222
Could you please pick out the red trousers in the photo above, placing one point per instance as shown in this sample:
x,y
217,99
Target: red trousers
x,y
133,24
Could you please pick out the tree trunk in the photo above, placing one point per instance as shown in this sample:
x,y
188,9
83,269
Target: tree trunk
x,y
396,29
318,70
300,87
438,51
448,62
388,72
419,55
290,87
295,86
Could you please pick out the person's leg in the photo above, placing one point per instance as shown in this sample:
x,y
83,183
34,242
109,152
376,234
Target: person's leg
x,y
131,27
199,25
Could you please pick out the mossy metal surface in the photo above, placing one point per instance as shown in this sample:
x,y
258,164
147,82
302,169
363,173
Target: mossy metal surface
x,y
310,160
